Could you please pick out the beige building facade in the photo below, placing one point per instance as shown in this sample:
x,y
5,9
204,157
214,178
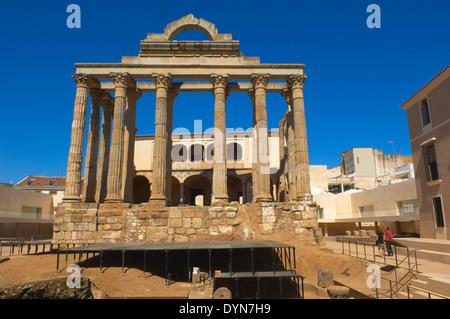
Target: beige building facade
x,y
428,114
25,214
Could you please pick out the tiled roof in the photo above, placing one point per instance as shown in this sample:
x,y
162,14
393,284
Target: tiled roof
x,y
37,181
448,66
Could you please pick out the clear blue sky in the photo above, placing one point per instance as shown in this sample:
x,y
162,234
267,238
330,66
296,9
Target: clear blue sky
x,y
357,77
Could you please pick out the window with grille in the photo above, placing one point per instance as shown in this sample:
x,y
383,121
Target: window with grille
x,y
438,212
429,156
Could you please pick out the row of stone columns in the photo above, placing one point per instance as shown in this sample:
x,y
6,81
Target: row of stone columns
x,y
112,180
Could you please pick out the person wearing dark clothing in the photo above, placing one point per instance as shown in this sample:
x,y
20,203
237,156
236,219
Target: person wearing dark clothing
x,y
387,237
380,243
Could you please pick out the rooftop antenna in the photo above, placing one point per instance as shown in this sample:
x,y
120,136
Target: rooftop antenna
x,y
392,142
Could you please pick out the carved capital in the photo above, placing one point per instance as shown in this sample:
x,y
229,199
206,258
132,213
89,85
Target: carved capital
x,y
96,95
251,94
287,94
259,81
134,94
171,95
219,80
162,80
296,81
120,79
82,78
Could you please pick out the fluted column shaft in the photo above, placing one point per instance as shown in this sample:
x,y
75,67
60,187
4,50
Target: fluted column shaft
x,y
104,149
129,140
117,141
75,160
219,185
171,95
295,82
90,169
260,82
254,159
291,177
159,164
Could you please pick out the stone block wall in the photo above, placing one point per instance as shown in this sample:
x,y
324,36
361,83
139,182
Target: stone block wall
x,y
87,223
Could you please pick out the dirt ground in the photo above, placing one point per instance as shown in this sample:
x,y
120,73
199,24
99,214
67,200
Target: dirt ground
x,y
26,268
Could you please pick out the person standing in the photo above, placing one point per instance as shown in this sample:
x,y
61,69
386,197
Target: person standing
x,y
387,238
380,243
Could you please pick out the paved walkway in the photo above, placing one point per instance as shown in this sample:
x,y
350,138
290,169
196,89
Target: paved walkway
x,y
424,265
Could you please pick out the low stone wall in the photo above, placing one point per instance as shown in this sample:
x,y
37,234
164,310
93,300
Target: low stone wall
x,y
89,223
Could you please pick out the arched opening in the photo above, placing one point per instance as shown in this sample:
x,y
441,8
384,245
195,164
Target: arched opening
x,y
191,35
175,191
234,186
197,191
197,152
179,153
210,152
141,190
234,152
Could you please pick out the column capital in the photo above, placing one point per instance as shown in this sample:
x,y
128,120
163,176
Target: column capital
x,y
259,80
171,95
251,94
219,80
120,79
287,94
296,81
162,80
107,102
96,94
82,79
134,93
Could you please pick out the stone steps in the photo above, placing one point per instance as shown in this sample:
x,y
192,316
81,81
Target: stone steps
x,y
436,284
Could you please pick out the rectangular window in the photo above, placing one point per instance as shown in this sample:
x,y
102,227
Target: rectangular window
x,y
367,211
438,212
31,212
425,112
320,213
407,207
429,159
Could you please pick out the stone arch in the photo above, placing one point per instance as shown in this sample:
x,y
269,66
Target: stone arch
x,y
179,153
196,185
141,189
189,22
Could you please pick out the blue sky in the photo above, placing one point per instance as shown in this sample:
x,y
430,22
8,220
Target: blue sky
x,y
357,77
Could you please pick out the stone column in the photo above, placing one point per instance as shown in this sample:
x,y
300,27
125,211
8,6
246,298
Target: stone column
x,y
254,159
291,177
104,148
219,184
181,193
75,160
90,169
159,164
171,95
115,171
260,82
129,139
295,83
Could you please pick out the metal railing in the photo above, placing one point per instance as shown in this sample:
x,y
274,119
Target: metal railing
x,y
394,285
